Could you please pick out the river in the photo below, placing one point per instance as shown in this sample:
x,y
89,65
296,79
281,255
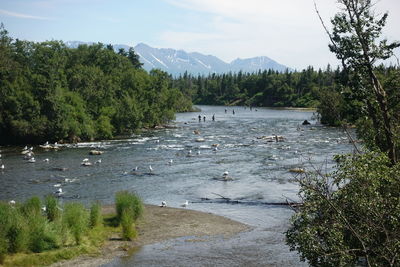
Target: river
x,y
259,170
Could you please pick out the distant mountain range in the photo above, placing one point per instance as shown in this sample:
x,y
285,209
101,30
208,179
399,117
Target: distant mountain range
x,y
176,62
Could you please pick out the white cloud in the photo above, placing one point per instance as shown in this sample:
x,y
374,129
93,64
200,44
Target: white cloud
x,y
21,15
285,30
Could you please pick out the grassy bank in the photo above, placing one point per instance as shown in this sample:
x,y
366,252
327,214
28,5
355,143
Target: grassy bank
x,y
36,234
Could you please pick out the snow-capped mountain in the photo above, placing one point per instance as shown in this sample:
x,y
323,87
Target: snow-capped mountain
x,y
177,62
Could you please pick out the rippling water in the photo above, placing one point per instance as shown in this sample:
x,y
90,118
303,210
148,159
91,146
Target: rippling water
x,y
259,169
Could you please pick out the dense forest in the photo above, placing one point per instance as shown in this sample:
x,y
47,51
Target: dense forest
x,y
49,92
266,88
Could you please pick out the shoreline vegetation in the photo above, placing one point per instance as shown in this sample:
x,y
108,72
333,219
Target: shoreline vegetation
x,y
33,235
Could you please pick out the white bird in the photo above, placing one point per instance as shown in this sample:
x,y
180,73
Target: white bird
x,y
2,167
190,152
32,160
226,173
136,168
57,185
11,202
171,161
58,192
198,152
46,160
98,161
25,148
85,160
150,168
185,204
0,155
47,142
157,141
215,149
163,204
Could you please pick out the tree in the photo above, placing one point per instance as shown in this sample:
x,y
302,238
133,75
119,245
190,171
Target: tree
x,y
351,216
356,41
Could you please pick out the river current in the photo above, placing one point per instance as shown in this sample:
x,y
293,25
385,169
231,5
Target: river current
x,y
188,161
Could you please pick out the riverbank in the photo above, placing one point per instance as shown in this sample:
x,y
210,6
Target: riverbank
x,y
159,224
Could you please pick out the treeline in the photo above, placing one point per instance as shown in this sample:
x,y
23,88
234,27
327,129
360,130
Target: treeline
x,y
266,88
51,92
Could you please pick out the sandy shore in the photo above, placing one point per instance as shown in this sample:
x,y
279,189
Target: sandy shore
x,y
160,224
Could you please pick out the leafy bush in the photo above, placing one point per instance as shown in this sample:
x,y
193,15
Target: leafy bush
x,y
76,218
52,209
128,228
128,202
31,206
41,236
96,219
351,214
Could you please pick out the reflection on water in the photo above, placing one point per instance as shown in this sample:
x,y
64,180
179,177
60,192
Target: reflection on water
x,y
200,152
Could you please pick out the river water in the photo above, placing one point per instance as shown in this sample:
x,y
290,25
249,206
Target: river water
x,y
259,170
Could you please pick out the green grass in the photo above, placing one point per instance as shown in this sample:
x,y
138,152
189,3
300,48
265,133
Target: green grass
x,y
30,236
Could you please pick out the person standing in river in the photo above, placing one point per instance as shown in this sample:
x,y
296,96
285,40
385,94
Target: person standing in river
x,y
233,112
199,118
204,118
213,117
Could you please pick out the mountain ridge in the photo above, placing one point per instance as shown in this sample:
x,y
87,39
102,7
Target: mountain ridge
x,y
177,62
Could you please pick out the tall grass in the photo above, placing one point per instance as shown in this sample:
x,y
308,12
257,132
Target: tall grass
x,y
128,202
76,217
52,209
96,219
27,228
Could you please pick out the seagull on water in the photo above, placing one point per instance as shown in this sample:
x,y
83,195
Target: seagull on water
x,y
171,161
151,169
98,161
46,160
185,204
163,204
2,167
58,192
32,160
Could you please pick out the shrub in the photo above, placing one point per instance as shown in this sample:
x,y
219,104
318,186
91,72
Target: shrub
x,y
128,229
96,218
17,233
52,209
76,219
32,205
41,236
129,202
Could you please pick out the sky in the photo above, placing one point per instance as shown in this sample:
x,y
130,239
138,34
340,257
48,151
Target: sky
x,y
287,31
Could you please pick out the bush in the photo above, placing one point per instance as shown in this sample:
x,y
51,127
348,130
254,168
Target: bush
x,y
17,233
128,229
52,209
41,236
76,219
31,206
130,203
96,218
351,214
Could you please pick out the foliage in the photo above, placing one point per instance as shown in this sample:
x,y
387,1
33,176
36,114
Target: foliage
x,y
128,227
357,41
76,218
264,88
352,213
49,92
96,219
128,202
52,208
